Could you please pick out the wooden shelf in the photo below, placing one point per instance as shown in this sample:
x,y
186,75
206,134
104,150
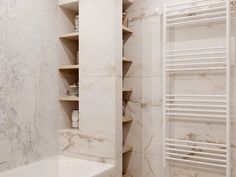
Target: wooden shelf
x,y
127,90
127,119
72,5
125,59
127,148
69,130
126,30
70,36
69,98
127,2
127,176
69,67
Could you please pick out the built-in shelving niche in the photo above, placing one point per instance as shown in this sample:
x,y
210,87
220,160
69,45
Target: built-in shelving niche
x,y
126,94
69,66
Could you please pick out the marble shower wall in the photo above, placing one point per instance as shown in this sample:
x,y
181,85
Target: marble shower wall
x,y
145,77
28,74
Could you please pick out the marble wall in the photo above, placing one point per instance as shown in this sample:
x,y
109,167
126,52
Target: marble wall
x,y
28,75
145,78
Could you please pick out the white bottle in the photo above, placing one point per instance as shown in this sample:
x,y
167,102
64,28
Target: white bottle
x,y
75,118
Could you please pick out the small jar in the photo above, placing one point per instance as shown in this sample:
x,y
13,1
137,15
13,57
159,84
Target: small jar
x,y
73,90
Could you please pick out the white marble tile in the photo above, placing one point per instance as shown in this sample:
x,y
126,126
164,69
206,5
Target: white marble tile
x,y
28,57
101,38
151,165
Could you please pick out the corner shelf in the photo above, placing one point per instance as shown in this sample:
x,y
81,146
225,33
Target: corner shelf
x,y
127,119
126,30
127,176
127,3
126,60
127,90
127,148
69,98
69,67
74,36
71,5
69,130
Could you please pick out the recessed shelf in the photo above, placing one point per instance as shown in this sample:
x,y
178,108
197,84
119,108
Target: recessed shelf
x,y
70,36
69,98
126,30
127,176
125,59
72,5
127,2
69,130
127,119
69,67
127,148
127,90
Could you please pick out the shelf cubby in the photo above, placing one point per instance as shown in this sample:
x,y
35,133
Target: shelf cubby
x,y
126,60
127,148
126,4
127,119
70,36
126,30
71,5
69,68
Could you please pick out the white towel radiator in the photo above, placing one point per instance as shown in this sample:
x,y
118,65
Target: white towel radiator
x,y
189,106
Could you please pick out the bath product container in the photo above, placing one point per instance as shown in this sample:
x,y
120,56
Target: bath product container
x,y
75,118
73,90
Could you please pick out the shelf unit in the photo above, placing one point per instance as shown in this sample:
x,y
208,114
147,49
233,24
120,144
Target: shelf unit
x,y
126,93
70,36
127,148
207,108
127,119
126,30
69,69
69,98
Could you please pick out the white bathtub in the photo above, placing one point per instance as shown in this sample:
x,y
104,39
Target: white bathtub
x,y
60,166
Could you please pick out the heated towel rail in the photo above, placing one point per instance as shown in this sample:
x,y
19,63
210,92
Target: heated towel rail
x,y
214,108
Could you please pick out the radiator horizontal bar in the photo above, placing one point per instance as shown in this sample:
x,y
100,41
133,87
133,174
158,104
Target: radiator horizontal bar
x,y
196,59
196,110
195,49
197,69
196,11
195,115
196,64
189,2
185,95
194,22
197,105
197,6
196,152
195,17
196,157
192,100
196,142
196,54
196,162
196,147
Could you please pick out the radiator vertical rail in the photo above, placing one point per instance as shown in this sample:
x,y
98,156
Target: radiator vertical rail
x,y
228,89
